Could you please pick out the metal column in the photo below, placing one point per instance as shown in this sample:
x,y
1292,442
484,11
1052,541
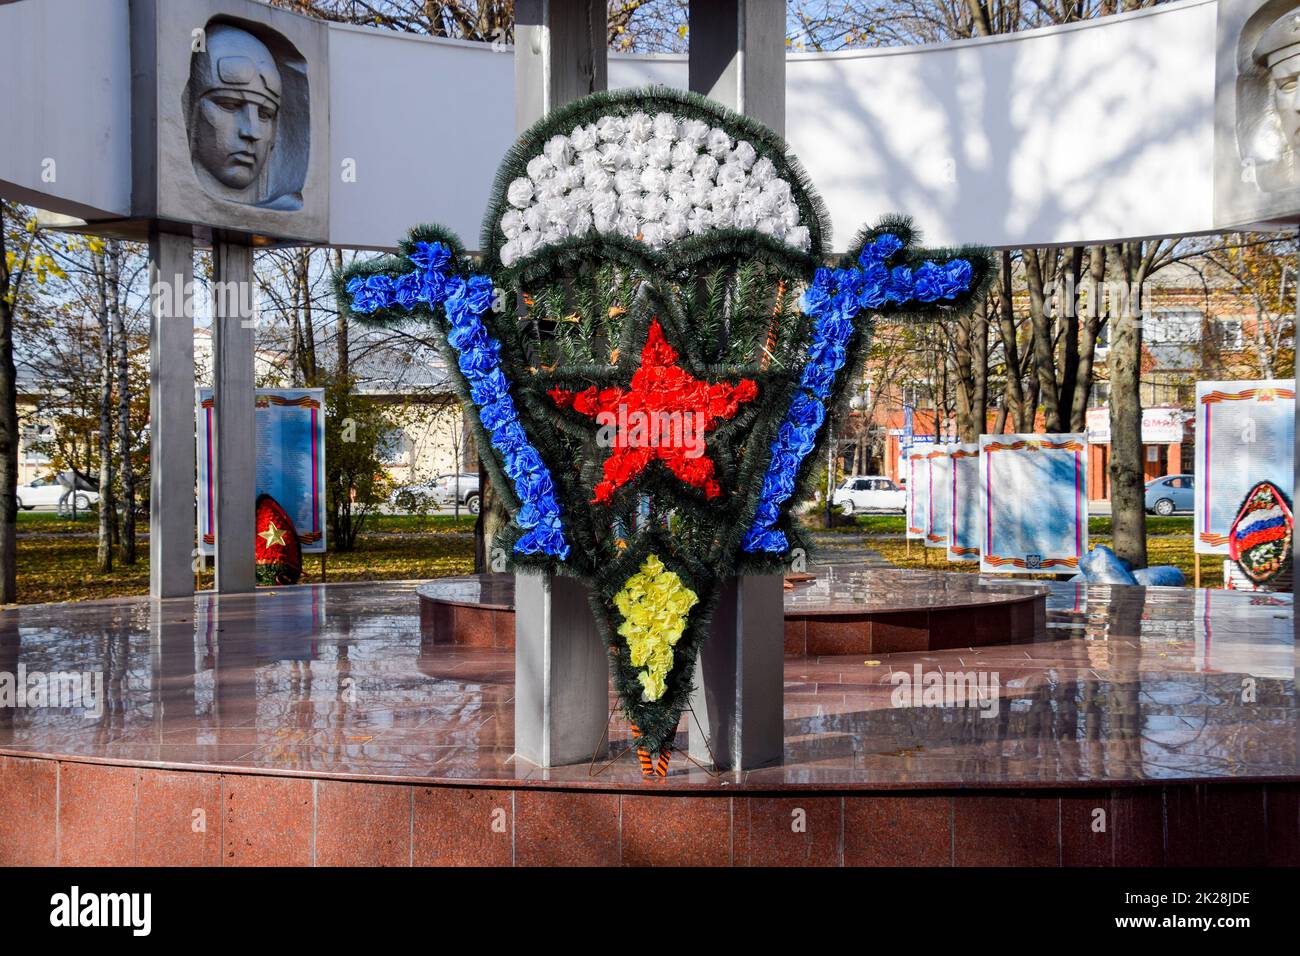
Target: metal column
x,y
561,667
171,416
737,57
236,440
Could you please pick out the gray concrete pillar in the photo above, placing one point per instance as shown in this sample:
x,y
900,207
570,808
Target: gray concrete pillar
x,y
561,667
737,704
560,55
234,470
171,416
561,672
737,56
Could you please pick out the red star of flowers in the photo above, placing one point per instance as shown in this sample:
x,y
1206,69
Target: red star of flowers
x,y
659,387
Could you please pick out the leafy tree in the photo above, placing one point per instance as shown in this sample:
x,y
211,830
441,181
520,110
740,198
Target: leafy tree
x,y
356,482
21,259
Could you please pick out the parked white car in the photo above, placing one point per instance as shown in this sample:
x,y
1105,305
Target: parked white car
x,y
439,493
859,493
48,493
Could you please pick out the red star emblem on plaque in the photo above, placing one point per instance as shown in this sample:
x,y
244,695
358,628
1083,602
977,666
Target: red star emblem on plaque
x,y
664,416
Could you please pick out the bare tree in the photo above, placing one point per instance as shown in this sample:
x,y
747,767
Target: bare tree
x,y
1134,262
105,316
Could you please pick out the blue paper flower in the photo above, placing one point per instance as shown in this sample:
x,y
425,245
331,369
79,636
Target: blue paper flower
x,y
478,355
834,300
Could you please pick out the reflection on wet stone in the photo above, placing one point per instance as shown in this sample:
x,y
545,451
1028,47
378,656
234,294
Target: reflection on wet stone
x,y
1127,685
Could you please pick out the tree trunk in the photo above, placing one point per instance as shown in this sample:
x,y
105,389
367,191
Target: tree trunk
x,y
8,431
104,558
311,370
341,337
1044,368
126,536
1067,309
979,347
1015,397
1089,326
1127,498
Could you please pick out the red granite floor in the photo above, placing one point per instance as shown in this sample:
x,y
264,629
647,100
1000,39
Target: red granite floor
x,y
1130,686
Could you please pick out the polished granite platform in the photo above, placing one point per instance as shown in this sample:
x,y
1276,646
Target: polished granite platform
x,y
318,724
837,609
1126,685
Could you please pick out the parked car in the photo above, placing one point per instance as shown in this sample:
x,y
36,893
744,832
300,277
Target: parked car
x,y
869,493
53,494
439,493
1171,493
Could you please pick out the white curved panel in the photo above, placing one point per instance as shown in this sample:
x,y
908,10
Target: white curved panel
x,y
426,123
1097,131
66,98
1092,132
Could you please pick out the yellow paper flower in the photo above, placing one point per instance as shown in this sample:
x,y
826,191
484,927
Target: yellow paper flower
x,y
654,603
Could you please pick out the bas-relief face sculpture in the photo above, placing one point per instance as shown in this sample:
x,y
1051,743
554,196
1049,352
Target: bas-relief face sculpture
x,y
1277,53
235,97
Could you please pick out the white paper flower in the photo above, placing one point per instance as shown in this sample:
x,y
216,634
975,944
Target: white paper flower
x,y
520,192
653,179
778,188
512,223
634,153
659,178
598,181
683,155
659,153
718,142
705,168
744,154
627,225
679,181
627,181
539,167
763,171
570,177
604,209
548,189
612,155
584,138
665,126
558,149
694,132
639,128
746,217
654,207
629,204
731,173
610,128
699,221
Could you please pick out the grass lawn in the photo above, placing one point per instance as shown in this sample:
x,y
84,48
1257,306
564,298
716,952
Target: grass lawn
x,y
56,556
1175,549
1099,526
60,565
